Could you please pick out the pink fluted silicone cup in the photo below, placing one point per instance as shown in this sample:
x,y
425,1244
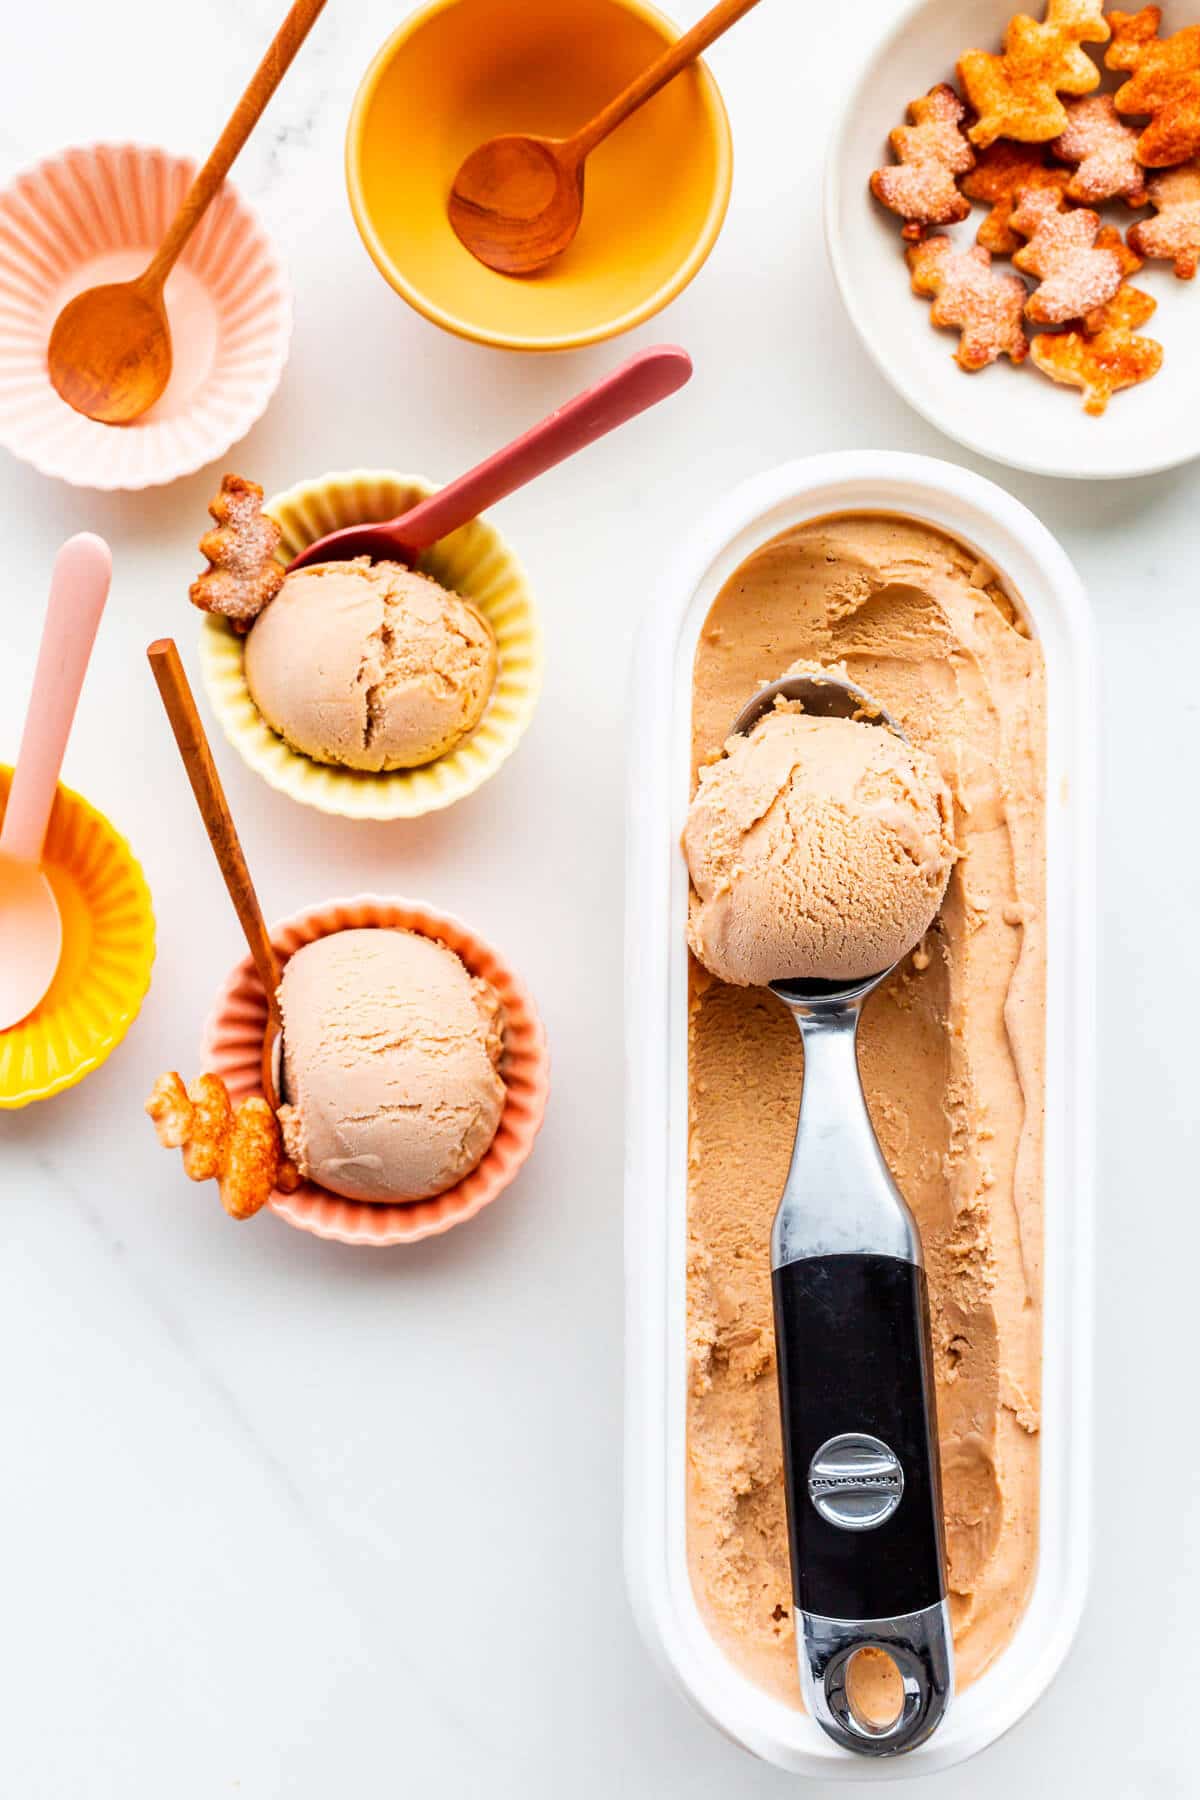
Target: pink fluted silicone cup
x,y
232,1048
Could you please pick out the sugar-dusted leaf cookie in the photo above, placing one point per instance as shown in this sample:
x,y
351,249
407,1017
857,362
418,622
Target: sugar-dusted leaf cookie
x,y
1016,93
1106,356
1174,232
1075,276
929,153
242,575
1164,83
1001,173
1101,145
984,305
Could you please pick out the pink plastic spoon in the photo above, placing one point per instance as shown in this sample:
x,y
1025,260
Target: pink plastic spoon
x,y
30,926
643,381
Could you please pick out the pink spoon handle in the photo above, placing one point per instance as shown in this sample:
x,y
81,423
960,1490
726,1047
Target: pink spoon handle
x,y
78,590
645,379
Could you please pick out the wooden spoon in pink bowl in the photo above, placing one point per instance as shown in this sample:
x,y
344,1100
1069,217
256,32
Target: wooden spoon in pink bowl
x,y
641,382
30,924
110,353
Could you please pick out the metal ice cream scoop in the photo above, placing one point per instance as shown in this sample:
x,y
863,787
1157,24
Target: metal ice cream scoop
x,y
855,1366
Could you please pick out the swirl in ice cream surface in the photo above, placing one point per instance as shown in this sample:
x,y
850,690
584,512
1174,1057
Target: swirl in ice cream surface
x,y
370,666
391,1065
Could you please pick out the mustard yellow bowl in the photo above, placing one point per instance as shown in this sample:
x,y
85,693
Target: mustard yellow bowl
x,y
108,950
458,72
477,563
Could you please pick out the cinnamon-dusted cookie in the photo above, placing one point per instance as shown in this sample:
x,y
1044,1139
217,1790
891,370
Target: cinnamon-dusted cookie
x,y
929,153
1132,35
1109,238
1106,356
1016,93
971,296
1164,83
1101,145
1002,172
242,575
242,1150
1075,276
1174,233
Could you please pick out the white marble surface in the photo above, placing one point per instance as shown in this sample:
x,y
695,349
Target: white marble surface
x,y
283,1519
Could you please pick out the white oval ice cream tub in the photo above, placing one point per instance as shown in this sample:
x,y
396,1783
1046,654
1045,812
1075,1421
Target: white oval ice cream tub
x,y
1036,571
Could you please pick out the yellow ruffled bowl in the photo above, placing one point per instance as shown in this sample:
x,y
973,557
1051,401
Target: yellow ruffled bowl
x,y
108,950
476,562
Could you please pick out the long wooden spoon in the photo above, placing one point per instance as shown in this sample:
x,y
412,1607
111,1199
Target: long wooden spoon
x,y
641,381
517,201
110,350
180,706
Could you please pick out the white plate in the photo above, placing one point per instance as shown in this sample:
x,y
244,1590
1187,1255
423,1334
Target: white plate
x,y
1039,575
1017,415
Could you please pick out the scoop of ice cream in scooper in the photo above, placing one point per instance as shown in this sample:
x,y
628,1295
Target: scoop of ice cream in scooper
x,y
819,848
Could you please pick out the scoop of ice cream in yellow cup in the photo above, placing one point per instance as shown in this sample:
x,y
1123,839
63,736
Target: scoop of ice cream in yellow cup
x,y
107,953
377,692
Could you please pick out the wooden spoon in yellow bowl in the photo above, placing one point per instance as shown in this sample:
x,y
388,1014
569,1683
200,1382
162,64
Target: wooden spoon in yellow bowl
x,y
516,202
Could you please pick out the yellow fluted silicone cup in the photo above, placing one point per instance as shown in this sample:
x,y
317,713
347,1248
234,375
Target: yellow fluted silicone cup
x,y
108,950
476,563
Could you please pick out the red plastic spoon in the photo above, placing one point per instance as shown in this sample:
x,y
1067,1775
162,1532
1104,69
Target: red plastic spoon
x,y
643,381
30,925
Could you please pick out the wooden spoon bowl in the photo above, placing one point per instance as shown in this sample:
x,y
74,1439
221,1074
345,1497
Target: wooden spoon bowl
x,y
110,351
110,354
516,201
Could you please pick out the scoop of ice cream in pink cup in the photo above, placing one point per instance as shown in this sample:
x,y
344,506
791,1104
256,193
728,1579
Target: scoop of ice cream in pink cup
x,y
414,1073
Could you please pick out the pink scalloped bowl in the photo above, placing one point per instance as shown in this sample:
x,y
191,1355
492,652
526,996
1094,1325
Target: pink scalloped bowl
x,y
97,214
232,1048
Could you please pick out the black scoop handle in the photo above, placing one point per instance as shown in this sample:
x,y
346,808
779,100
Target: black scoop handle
x,y
859,1436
